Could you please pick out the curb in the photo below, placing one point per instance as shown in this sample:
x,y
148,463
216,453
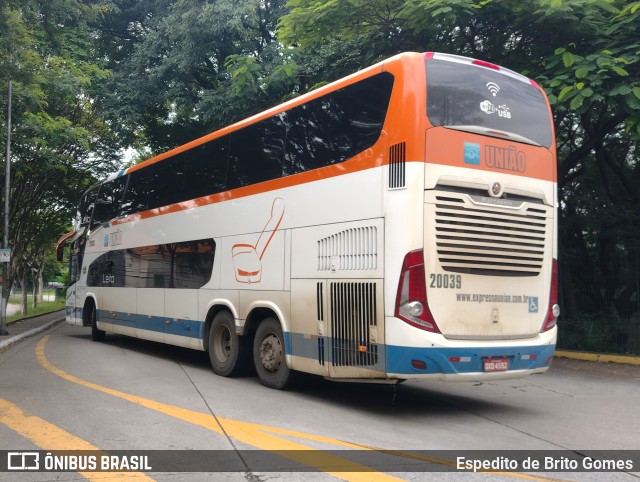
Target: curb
x,y
6,343
595,357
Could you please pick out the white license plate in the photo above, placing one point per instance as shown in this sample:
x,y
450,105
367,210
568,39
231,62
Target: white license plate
x,y
496,364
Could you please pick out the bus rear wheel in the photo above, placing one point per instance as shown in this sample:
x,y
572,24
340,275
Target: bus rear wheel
x,y
269,355
228,352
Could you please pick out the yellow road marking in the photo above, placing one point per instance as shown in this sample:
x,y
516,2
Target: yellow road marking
x,y
262,436
51,437
249,433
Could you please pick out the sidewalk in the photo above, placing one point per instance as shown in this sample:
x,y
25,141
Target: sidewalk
x,y
29,326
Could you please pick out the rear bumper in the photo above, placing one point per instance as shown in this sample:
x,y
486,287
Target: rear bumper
x,y
465,363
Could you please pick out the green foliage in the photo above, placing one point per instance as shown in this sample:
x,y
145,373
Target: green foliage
x,y
610,75
191,66
59,142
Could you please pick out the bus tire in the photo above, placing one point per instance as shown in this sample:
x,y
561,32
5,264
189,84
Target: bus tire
x,y
269,355
96,333
229,353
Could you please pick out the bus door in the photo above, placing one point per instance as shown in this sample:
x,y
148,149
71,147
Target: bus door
x,y
75,239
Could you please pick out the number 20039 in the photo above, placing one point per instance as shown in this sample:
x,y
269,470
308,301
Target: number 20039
x,y
452,281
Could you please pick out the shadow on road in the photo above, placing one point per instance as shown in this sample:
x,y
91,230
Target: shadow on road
x,y
404,399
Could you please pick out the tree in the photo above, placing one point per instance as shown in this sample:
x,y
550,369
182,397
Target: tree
x,y
191,66
59,142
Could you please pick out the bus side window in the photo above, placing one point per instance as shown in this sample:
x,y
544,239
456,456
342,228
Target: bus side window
x,y
337,126
137,195
206,168
165,182
256,153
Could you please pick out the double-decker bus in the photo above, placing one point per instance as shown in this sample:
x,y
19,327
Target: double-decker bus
x,y
397,223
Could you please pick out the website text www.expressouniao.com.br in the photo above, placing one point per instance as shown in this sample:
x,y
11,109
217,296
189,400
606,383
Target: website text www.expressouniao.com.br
x,y
532,301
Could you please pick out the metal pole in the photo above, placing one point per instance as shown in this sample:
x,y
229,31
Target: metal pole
x,y
7,187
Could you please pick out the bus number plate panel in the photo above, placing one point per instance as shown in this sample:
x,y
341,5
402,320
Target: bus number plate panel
x,y
500,364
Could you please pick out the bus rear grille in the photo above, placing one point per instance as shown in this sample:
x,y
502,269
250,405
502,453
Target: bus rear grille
x,y
320,311
353,314
351,249
485,241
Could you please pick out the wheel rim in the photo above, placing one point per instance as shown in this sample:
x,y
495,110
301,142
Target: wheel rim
x,y
271,353
222,343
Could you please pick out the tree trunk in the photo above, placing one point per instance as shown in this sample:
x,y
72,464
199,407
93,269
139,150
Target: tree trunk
x,y
41,284
25,287
34,278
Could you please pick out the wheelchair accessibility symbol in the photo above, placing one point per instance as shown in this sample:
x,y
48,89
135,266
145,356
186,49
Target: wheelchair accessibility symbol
x,y
533,304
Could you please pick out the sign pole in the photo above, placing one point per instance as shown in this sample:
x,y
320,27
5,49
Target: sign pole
x,y
7,190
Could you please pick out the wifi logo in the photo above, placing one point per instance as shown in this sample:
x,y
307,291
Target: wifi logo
x,y
493,88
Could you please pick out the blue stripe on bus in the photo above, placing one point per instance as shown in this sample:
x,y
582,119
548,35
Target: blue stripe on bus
x,y
159,324
399,359
322,350
439,360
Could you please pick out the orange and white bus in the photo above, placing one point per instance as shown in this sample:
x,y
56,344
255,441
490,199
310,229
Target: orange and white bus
x,y
397,223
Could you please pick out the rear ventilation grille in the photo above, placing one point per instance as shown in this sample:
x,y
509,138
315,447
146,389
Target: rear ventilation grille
x,y
488,241
320,310
351,249
320,301
397,161
353,317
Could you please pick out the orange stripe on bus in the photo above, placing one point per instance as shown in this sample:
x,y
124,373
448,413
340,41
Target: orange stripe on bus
x,y
369,159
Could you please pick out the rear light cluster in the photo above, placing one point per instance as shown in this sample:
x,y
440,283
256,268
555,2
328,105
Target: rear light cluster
x,y
554,309
480,63
411,300
484,63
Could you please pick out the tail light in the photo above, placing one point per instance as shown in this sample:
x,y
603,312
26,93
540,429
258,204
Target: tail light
x,y
411,300
554,309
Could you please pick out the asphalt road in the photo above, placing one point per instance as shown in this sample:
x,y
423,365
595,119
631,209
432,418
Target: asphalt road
x,y
61,391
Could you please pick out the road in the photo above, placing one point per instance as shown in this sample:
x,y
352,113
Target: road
x,y
62,391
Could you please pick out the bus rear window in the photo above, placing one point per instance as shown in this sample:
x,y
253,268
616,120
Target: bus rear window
x,y
460,94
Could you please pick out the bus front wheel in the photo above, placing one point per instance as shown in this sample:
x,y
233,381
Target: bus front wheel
x,y
96,333
269,355
228,352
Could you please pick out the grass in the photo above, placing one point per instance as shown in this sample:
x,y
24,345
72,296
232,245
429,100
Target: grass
x,y
43,307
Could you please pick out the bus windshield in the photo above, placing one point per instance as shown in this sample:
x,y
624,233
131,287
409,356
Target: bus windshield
x,y
86,207
462,94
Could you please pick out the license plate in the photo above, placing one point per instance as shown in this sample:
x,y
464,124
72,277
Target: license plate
x,y
496,364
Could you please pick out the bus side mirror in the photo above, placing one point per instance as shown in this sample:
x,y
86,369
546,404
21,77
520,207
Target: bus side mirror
x,y
61,242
